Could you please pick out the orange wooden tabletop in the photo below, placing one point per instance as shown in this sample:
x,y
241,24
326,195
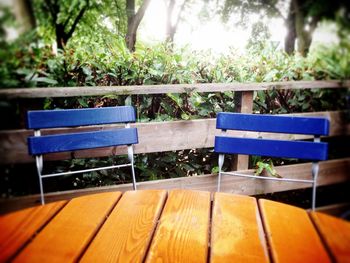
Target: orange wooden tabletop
x,y
172,226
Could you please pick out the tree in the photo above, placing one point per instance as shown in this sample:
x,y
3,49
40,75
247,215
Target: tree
x,y
301,19
173,18
134,19
290,38
307,15
65,17
259,35
24,14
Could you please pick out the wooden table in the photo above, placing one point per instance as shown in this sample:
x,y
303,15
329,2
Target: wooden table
x,y
174,226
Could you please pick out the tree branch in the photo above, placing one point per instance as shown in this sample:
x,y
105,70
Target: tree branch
x,y
67,20
141,12
53,9
77,19
182,8
130,10
274,8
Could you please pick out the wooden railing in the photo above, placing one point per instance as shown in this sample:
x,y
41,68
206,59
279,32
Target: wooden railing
x,y
167,136
167,88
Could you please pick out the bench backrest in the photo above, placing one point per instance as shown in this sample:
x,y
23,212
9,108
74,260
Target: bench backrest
x,y
276,124
37,120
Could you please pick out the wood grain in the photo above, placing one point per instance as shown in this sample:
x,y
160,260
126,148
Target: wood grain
x,y
126,234
291,234
68,234
19,227
154,137
182,233
336,234
83,140
331,172
51,92
237,234
241,162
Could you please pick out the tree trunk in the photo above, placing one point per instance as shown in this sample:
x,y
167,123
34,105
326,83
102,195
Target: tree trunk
x,y
300,27
24,15
170,31
305,27
130,37
171,27
62,36
289,42
134,21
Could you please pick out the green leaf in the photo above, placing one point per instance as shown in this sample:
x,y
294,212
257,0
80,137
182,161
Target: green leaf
x,y
176,98
215,170
185,116
47,103
83,103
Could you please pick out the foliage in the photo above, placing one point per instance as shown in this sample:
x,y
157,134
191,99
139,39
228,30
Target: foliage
x,y
29,62
259,36
262,7
266,168
301,18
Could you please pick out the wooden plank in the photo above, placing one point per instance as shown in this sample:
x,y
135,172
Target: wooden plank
x,y
291,234
40,119
336,234
237,234
273,148
38,145
182,234
273,123
154,137
18,228
241,162
247,102
68,234
331,172
166,88
126,234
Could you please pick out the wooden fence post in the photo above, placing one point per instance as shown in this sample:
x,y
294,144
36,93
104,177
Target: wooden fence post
x,y
244,101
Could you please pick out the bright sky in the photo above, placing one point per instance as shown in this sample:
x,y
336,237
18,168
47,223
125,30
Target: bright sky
x,y
213,34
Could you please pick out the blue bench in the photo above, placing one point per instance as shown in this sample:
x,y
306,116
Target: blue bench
x,y
315,151
45,119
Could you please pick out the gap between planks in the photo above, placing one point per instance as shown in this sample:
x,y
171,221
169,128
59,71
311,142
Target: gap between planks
x,y
38,230
263,223
323,240
98,228
156,226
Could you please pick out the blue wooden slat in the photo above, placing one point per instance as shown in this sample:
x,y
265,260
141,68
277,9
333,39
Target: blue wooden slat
x,y
79,117
272,148
272,123
80,141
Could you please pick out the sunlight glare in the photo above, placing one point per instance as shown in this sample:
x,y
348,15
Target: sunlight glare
x,y
213,35
199,35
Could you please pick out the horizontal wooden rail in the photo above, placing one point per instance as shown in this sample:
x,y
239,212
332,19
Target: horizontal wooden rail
x,y
166,88
153,137
331,172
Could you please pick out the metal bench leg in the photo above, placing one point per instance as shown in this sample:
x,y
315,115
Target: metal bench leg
x,y
39,167
131,159
221,163
315,169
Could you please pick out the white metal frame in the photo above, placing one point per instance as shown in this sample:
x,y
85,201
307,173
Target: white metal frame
x,y
40,166
313,181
